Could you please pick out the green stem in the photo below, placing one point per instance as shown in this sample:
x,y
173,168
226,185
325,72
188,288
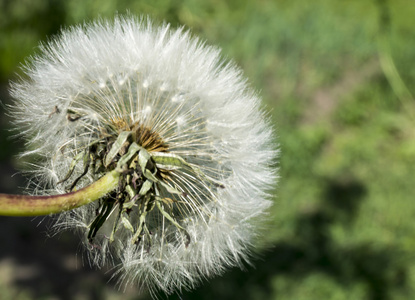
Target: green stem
x,y
26,206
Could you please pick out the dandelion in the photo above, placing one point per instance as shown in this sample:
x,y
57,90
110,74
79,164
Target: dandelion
x,y
164,134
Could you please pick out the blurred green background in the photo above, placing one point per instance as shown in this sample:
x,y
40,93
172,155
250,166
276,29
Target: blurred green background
x,y
336,76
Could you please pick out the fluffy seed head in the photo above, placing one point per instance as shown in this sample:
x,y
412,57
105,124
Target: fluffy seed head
x,y
99,88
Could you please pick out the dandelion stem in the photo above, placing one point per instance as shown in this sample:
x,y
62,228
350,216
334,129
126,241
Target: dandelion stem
x,y
26,206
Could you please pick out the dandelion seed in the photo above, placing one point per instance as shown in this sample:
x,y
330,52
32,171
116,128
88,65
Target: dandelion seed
x,y
178,124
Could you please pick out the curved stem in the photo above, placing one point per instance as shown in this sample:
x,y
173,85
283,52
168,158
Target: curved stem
x,y
25,206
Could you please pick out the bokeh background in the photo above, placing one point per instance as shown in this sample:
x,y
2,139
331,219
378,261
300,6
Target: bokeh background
x,y
337,78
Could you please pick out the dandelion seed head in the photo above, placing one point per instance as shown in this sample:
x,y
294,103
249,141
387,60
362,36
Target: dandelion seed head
x,y
211,149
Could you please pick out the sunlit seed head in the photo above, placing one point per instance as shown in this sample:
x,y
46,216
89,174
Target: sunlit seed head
x,y
196,126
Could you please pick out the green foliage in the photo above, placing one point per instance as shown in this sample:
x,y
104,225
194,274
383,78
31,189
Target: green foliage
x,y
341,227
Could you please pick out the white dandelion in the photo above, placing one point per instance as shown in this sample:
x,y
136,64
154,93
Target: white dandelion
x,y
193,153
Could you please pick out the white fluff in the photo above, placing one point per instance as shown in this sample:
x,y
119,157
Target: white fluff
x,y
201,106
